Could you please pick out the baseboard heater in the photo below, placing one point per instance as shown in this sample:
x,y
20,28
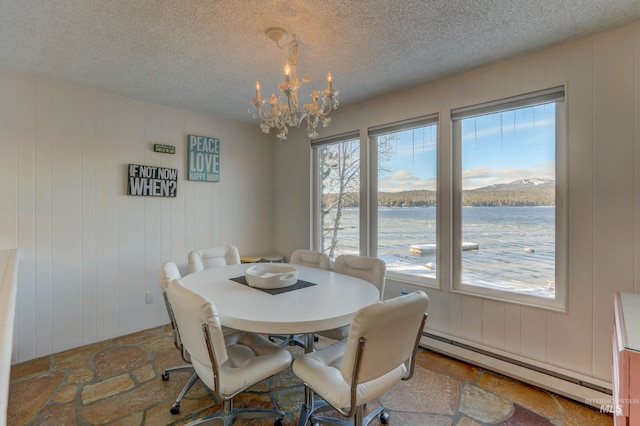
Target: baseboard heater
x,y
581,390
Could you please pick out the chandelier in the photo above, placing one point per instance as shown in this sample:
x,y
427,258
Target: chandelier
x,y
283,111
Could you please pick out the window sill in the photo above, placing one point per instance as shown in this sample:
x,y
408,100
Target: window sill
x,y
556,304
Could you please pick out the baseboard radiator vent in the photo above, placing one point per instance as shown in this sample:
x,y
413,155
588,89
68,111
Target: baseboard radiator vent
x,y
566,385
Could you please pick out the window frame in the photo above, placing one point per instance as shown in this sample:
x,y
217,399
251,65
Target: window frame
x,y
316,190
559,302
372,134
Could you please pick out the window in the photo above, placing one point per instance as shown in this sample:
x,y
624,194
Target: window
x,y
337,195
502,235
404,198
508,225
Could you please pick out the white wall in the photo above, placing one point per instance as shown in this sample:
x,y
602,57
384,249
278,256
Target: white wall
x,y
89,252
602,74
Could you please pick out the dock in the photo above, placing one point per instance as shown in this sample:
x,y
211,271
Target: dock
x,y
431,248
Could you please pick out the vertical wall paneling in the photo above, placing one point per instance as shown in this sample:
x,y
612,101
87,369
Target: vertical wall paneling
x,y
438,307
472,318
163,134
216,202
190,202
223,212
455,314
131,210
512,77
493,324
26,220
26,171
66,235
177,213
533,337
493,84
43,219
9,160
203,216
512,329
613,64
108,193
292,182
157,125
570,336
472,87
88,199
533,69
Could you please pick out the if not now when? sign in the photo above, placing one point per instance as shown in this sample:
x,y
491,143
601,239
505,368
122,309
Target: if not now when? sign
x,y
152,181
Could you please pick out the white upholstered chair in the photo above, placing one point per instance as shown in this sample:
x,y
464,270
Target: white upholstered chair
x,y
367,268
211,257
228,364
378,353
169,271
314,259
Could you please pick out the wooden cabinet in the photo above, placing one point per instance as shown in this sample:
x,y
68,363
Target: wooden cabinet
x,y
626,359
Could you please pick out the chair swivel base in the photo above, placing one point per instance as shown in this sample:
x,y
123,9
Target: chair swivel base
x,y
309,416
229,414
290,340
175,408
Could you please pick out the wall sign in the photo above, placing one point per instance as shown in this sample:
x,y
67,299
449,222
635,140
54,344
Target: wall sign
x,y
165,149
153,181
204,158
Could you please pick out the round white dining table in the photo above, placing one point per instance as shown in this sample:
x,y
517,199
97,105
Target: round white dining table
x,y
331,303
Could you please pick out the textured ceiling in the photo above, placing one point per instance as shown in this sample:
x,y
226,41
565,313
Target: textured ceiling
x,y
205,55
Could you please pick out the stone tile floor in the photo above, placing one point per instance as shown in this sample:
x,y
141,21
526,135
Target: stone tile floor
x,y
117,382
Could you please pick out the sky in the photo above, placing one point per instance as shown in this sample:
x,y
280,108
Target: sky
x,y
496,148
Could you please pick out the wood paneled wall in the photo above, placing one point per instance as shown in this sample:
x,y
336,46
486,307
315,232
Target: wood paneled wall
x,y
602,74
88,251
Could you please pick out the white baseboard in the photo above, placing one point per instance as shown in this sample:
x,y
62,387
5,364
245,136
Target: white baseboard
x,y
584,389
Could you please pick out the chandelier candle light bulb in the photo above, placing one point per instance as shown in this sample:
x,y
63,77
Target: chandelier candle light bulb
x,y
283,111
287,72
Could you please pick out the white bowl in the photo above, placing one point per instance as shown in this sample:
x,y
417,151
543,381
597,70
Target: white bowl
x,y
269,275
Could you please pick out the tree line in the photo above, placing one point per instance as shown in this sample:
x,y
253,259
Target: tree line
x,y
473,198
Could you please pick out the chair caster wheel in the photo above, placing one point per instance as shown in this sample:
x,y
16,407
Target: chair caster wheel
x,y
165,376
175,408
278,422
384,418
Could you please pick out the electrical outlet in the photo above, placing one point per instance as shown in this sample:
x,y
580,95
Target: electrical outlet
x,y
148,297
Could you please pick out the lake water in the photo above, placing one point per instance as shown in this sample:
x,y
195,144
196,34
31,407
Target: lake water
x,y
516,246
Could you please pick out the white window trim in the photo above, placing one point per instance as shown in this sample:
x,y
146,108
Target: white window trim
x,y
316,233
559,303
372,133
